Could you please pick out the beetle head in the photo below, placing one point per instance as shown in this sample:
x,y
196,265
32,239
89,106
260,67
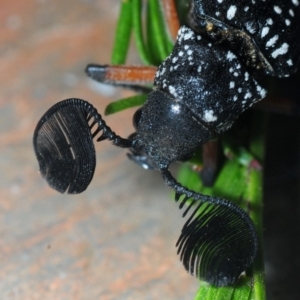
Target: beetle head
x,y
167,131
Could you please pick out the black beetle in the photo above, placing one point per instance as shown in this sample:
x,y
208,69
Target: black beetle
x,y
199,90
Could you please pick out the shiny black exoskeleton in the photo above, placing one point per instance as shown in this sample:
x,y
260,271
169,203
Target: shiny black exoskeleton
x,y
199,91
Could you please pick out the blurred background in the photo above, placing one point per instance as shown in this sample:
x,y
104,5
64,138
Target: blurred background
x,y
117,239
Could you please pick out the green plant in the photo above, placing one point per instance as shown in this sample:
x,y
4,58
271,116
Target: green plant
x,y
240,175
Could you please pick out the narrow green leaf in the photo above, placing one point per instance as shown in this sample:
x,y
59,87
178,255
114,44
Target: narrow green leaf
x,y
230,182
254,196
208,292
243,289
125,103
158,39
151,40
123,32
138,33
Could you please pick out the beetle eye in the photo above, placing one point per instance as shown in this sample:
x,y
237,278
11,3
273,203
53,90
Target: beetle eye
x,y
136,118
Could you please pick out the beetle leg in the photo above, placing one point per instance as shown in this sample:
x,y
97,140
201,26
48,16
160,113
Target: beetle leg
x,y
171,17
218,225
210,162
66,161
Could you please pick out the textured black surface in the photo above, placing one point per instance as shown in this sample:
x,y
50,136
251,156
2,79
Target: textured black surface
x,y
64,147
274,27
209,79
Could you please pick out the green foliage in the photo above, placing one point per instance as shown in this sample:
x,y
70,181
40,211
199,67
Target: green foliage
x,y
125,103
239,179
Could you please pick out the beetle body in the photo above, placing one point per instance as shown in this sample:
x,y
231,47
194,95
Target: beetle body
x,y
199,91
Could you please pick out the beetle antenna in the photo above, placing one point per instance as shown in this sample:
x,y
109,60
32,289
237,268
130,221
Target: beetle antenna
x,y
218,241
63,144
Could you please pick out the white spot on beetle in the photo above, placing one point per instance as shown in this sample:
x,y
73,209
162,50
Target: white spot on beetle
x,y
163,70
230,56
174,59
209,116
246,8
220,1
289,62
277,9
248,95
261,91
172,91
280,51
265,31
287,22
231,84
188,35
231,12
291,12
271,42
250,26
246,76
269,21
175,108
295,2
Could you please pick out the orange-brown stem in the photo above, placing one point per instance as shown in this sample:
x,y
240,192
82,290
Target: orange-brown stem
x,y
171,17
122,75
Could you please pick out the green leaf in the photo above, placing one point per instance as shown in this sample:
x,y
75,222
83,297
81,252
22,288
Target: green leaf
x,y
138,33
158,40
123,32
125,103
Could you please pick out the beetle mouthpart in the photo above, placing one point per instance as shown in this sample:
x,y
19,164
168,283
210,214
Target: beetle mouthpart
x,y
218,241
142,160
63,144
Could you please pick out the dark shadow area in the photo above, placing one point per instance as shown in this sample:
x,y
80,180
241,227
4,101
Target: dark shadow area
x,y
282,207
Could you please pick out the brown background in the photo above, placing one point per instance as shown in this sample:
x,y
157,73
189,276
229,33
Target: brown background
x,y
116,240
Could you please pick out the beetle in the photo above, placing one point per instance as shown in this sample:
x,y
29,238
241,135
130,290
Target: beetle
x,y
199,90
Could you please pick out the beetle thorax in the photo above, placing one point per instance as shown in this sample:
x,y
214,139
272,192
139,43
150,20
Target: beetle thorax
x,y
168,131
